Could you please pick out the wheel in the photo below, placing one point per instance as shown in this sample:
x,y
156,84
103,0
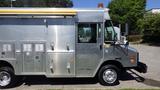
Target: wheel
x,y
7,77
108,75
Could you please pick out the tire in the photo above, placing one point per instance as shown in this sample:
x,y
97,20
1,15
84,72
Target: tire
x,y
7,77
105,72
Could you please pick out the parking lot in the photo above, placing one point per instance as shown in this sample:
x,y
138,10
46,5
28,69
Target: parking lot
x,y
150,55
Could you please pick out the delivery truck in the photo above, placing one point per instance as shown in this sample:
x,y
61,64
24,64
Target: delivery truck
x,y
62,43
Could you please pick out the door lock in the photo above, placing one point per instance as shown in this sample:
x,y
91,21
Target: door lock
x,y
100,46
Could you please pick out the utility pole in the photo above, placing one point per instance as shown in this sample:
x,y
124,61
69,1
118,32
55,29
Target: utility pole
x,y
12,3
126,29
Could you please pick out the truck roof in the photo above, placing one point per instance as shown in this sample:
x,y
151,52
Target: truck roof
x,y
49,11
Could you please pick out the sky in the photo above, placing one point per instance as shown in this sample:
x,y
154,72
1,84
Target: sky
x,y
94,3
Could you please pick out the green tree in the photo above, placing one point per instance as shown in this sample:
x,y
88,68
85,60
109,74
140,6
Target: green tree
x,y
59,3
5,3
37,3
150,25
127,11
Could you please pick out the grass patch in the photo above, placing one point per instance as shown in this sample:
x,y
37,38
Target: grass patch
x,y
79,89
138,89
104,89
54,89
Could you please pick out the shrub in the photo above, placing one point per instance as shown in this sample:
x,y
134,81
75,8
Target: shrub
x,y
135,38
150,25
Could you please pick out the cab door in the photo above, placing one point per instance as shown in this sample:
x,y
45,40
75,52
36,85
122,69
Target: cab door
x,y
89,49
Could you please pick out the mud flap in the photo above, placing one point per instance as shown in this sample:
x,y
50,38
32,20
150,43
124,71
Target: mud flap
x,y
141,68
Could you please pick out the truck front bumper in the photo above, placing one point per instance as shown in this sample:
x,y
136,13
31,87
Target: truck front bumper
x,y
141,67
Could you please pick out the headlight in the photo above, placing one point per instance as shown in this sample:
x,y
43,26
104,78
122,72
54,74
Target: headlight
x,y
133,59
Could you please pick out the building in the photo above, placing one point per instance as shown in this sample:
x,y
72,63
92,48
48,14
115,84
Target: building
x,y
154,10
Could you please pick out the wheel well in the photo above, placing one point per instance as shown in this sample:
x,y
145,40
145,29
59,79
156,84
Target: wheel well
x,y
112,62
4,64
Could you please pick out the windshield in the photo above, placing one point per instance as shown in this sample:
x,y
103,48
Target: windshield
x,y
109,31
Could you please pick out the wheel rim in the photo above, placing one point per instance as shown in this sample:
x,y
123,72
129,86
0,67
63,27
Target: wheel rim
x,y
109,76
5,78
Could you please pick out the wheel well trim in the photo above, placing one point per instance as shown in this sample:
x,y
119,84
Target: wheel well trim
x,y
113,62
6,63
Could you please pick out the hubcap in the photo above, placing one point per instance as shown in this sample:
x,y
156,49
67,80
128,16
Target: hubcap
x,y
5,78
110,76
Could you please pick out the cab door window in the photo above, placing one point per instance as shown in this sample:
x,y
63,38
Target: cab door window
x,y
109,32
88,33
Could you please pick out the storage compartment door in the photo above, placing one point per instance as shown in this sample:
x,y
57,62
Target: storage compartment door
x,y
39,57
28,61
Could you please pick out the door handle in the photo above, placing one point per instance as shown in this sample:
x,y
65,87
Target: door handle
x,y
100,46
